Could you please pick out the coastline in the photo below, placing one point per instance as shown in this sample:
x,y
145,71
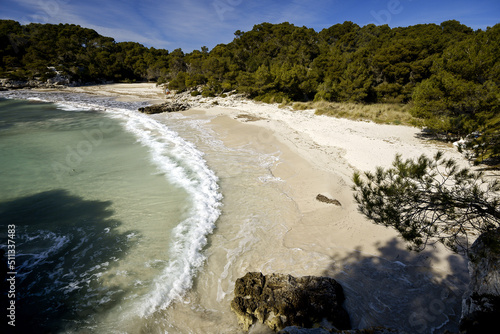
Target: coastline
x,y
314,155
319,153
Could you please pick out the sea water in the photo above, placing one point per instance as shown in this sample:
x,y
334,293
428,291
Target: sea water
x,y
111,211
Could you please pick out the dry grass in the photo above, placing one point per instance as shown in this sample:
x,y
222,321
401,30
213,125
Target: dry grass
x,y
382,113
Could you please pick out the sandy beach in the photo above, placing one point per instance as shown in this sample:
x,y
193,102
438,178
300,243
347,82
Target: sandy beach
x,y
319,154
308,155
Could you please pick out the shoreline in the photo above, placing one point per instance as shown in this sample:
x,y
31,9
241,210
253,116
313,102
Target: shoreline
x,y
316,160
315,155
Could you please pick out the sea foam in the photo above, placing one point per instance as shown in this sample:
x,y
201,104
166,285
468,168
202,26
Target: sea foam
x,y
184,166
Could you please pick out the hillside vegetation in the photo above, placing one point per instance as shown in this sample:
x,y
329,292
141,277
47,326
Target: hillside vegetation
x,y
446,75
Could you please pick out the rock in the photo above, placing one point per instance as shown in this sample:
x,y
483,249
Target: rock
x,y
13,84
8,84
481,304
279,301
58,79
371,330
324,199
165,107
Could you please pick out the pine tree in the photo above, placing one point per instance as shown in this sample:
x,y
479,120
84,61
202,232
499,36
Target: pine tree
x,y
430,200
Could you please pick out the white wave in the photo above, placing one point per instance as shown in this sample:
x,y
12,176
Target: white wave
x,y
73,106
270,178
184,166
269,160
34,260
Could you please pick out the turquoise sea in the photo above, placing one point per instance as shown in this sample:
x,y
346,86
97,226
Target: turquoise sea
x,y
111,210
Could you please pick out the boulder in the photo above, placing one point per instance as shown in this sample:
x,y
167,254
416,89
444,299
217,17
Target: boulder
x,y
165,107
325,199
481,303
279,301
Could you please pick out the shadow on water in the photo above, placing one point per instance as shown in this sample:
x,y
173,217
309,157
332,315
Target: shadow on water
x,y
403,293
63,245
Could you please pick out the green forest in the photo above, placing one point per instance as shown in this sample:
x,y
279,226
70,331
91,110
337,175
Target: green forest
x,y
448,74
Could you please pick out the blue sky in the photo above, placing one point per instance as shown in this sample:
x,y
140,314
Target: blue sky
x,y
191,24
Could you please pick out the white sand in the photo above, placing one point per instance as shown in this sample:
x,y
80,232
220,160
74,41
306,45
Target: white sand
x,y
320,157
124,92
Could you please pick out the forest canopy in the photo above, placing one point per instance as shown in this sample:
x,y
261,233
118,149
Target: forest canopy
x,y
448,72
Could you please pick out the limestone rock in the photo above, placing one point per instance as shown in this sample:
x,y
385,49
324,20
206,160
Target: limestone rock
x,y
282,300
56,82
165,107
324,199
481,304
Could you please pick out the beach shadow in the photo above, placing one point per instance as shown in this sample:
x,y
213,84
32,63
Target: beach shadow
x,y
401,292
428,134
489,165
445,141
63,245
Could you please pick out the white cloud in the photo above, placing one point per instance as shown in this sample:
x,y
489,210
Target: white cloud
x,y
125,35
117,20
190,24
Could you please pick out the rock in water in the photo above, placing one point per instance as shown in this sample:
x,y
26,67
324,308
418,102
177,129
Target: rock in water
x,y
481,304
282,300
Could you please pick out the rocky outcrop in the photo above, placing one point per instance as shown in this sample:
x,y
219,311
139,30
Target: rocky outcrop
x,y
55,82
7,84
164,107
279,301
481,304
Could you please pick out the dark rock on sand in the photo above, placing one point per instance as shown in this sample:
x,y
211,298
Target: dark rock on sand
x,y
279,301
165,107
324,199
